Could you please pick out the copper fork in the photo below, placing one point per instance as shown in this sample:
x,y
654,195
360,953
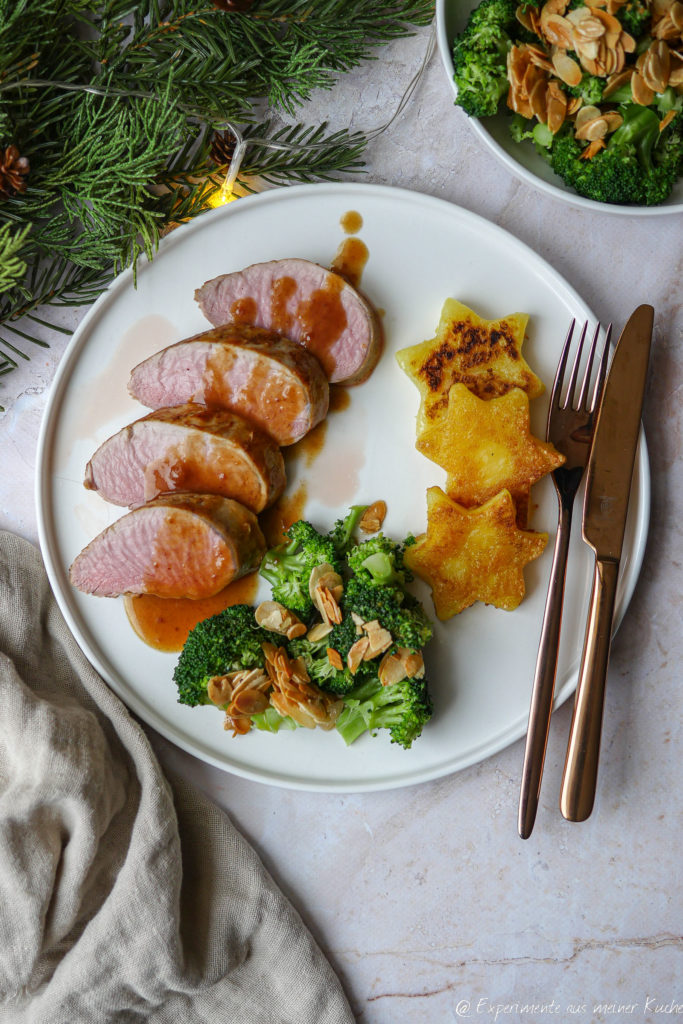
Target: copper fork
x,y
570,427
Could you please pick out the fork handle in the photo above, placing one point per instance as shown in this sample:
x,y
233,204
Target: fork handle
x,y
544,681
581,766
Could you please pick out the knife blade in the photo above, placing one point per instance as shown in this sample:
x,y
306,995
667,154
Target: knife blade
x,y
608,486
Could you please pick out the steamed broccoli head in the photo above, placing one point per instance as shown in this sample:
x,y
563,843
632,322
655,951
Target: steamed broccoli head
x,y
640,163
400,613
635,17
403,708
589,89
321,670
379,561
288,566
480,56
343,533
226,642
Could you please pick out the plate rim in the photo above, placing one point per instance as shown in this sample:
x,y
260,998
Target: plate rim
x,y
444,45
43,493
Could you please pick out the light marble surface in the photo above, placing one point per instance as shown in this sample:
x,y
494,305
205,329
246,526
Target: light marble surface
x,y
426,901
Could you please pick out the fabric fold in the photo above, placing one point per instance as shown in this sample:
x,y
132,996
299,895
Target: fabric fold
x,y
124,896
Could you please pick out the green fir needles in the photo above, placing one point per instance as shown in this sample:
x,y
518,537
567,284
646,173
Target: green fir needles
x,y
113,106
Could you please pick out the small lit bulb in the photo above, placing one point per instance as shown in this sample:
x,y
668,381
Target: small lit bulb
x,y
222,196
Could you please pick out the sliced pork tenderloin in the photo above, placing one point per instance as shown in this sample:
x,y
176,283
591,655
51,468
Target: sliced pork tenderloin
x,y
181,545
188,448
270,380
313,306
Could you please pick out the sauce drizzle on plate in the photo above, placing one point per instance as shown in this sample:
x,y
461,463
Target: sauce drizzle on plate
x,y
164,623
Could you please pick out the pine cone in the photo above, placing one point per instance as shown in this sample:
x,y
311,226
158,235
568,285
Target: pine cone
x,y
233,5
222,147
13,170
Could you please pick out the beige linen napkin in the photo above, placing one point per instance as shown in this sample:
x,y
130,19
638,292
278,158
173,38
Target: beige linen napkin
x,y
122,898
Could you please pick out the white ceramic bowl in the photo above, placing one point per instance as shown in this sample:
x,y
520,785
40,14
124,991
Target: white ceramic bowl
x,y
521,158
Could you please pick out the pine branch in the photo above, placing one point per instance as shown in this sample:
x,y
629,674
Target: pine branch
x,y
114,104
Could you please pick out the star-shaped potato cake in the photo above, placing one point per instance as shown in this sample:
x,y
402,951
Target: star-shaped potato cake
x,y
484,355
470,555
486,447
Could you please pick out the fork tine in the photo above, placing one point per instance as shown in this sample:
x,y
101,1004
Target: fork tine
x,y
573,377
589,367
561,367
602,372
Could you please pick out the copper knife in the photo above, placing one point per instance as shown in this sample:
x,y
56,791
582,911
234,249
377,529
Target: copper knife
x,y
608,485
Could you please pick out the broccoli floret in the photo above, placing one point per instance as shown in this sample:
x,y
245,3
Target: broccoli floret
x,y
589,89
288,566
314,654
640,164
226,642
480,56
343,534
403,708
635,18
400,613
379,561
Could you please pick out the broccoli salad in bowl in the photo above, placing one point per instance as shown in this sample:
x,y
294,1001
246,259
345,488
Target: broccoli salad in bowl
x,y
583,98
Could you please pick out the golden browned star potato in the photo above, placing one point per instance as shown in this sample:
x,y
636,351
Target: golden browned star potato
x,y
470,555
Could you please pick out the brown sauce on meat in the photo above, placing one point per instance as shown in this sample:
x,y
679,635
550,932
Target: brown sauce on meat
x,y
350,260
164,623
322,319
280,516
244,310
280,293
351,222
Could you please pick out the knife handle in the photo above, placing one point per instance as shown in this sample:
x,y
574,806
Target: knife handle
x,y
583,749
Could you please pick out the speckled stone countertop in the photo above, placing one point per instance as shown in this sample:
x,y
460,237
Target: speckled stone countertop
x,y
426,901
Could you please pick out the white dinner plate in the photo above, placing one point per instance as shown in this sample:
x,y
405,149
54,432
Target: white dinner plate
x,y
421,251
521,158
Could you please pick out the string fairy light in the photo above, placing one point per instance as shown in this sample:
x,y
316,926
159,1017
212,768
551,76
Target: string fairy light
x,y
226,193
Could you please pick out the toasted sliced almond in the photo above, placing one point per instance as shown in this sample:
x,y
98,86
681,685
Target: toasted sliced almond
x,y
574,104
628,42
238,725
538,101
557,107
567,69
642,93
615,82
413,662
219,690
391,670
676,15
558,31
614,120
612,25
274,616
319,631
586,114
379,640
524,19
588,29
328,576
356,654
327,605
334,658
591,149
249,702
373,517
